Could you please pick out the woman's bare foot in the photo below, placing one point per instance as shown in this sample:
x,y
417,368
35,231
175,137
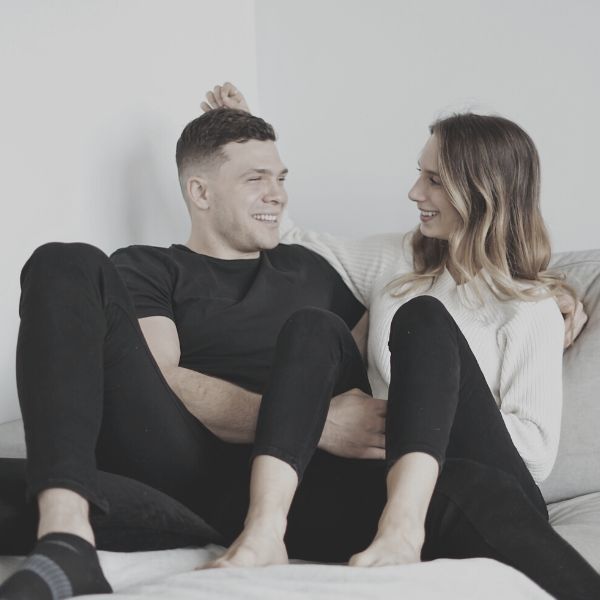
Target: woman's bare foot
x,y
259,545
392,546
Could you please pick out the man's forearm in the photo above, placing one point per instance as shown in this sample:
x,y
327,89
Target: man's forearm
x,y
353,429
227,410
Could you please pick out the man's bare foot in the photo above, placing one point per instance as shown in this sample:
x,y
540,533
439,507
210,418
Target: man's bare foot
x,y
64,511
259,545
392,546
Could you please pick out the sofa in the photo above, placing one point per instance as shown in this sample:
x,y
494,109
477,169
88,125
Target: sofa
x,y
572,493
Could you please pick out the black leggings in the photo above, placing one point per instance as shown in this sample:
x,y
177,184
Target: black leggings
x,y
485,502
439,401
93,399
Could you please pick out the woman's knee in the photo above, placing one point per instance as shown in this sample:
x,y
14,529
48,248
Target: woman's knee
x,y
422,312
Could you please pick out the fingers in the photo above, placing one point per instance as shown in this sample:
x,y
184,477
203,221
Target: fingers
x,y
217,94
378,406
233,98
379,441
574,322
565,303
568,331
212,99
215,97
372,453
373,440
381,407
210,103
580,316
230,95
377,426
226,95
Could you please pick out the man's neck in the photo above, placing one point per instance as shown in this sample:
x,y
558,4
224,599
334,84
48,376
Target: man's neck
x,y
207,248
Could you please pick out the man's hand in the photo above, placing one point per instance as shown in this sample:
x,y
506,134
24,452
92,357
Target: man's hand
x,y
575,317
355,426
226,95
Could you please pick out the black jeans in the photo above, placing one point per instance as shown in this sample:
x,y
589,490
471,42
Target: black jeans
x,y
94,402
485,502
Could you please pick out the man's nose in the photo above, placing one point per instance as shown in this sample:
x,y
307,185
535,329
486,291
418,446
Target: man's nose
x,y
275,194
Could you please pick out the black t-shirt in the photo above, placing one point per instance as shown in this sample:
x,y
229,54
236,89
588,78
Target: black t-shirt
x,y
228,313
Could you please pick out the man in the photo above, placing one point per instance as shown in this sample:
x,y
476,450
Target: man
x,y
93,396
96,389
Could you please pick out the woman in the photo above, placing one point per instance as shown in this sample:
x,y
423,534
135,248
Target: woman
x,y
465,342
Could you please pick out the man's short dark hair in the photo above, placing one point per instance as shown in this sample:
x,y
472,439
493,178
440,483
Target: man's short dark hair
x,y
203,138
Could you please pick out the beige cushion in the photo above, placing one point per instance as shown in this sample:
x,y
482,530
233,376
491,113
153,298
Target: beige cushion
x,y
577,469
578,521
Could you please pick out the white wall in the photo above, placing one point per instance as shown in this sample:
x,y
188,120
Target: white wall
x,y
352,86
96,92
94,96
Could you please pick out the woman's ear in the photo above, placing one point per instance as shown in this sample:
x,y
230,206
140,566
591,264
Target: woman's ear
x,y
197,192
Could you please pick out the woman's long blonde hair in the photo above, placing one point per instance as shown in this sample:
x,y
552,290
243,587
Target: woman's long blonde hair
x,y
490,170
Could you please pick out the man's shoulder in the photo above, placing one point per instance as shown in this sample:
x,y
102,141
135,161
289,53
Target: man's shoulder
x,y
140,253
295,254
291,250
140,250
145,261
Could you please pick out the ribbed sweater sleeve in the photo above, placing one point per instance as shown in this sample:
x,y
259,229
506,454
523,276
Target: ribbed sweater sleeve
x,y
359,261
531,383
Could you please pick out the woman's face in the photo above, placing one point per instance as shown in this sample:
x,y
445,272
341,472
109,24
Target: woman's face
x,y
438,217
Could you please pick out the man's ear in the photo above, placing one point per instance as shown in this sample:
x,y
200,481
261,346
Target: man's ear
x,y
197,192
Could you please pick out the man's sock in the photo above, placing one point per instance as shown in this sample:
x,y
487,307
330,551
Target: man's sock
x,y
61,565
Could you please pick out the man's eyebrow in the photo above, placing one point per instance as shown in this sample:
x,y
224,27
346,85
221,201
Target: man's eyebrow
x,y
264,172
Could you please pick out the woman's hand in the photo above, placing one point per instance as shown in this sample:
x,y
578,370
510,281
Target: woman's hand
x,y
574,315
226,95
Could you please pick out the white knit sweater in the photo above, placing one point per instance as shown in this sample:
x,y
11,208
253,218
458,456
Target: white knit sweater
x,y
518,344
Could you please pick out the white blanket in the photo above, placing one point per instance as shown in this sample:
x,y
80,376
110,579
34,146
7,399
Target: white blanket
x,y
171,575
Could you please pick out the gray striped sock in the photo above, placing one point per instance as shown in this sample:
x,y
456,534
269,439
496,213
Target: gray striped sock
x,y
61,565
51,573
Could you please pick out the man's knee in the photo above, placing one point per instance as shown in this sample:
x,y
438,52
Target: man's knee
x,y
61,252
316,323
58,256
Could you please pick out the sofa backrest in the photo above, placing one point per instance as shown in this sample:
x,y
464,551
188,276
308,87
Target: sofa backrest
x,y
577,468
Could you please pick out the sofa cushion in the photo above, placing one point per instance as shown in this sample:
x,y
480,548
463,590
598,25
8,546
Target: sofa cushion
x,y
12,440
140,517
577,468
578,521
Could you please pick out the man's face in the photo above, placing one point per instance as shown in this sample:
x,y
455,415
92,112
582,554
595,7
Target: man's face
x,y
247,197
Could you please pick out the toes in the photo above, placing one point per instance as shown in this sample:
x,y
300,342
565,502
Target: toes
x,y
359,560
218,563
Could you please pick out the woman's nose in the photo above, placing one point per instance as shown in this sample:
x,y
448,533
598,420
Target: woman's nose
x,y
416,193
